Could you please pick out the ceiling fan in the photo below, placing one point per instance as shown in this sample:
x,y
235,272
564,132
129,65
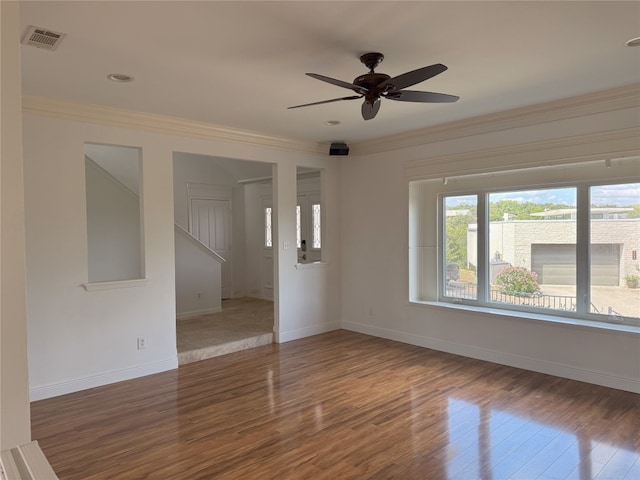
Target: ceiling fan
x,y
375,86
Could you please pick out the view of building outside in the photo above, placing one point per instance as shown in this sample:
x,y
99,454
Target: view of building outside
x,y
532,239
615,235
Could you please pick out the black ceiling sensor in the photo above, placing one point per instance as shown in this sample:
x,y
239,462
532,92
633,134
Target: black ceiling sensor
x,y
339,149
375,86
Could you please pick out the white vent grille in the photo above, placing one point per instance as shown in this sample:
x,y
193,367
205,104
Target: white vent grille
x,y
42,38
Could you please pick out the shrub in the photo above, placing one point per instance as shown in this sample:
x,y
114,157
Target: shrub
x,y
518,281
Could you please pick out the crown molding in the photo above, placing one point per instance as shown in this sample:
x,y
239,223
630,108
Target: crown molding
x,y
589,104
579,148
115,117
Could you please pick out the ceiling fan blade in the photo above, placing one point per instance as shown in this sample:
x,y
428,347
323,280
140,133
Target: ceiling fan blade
x,y
353,97
415,76
339,83
425,97
370,110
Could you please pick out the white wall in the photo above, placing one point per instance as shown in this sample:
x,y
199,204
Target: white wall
x,y
375,253
80,339
198,277
113,227
15,427
77,338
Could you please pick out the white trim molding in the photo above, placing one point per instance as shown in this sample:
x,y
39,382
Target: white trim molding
x,y
576,149
510,360
116,117
198,313
306,332
98,286
589,104
198,243
26,462
84,383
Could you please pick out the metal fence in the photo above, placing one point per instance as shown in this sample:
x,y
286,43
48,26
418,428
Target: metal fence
x,y
467,291
554,302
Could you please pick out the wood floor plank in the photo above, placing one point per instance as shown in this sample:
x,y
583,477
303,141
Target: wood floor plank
x,y
341,405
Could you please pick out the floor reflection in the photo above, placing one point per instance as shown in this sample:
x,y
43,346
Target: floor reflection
x,y
490,444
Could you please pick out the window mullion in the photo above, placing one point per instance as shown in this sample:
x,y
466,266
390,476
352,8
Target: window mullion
x,y
482,274
583,244
442,242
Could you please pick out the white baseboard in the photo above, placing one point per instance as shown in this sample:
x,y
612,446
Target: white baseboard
x,y
526,363
197,313
84,383
306,332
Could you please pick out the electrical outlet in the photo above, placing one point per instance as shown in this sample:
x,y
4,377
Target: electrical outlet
x,y
142,343
286,245
199,295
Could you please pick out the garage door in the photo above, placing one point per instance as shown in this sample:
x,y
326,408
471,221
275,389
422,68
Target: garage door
x,y
605,264
556,264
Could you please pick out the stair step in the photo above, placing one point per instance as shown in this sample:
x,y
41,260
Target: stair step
x,y
198,354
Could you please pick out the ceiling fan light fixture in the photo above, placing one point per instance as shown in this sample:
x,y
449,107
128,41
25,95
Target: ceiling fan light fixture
x,y
120,77
634,42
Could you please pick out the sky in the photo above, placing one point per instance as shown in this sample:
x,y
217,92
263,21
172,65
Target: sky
x,y
616,195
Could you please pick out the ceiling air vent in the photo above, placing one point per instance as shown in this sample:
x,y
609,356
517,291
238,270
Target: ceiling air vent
x,y
42,38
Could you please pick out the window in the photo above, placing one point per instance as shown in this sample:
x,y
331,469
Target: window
x,y
532,248
298,227
460,254
268,242
315,218
614,269
569,250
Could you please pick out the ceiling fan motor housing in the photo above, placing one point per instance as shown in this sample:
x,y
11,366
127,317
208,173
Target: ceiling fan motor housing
x,y
371,80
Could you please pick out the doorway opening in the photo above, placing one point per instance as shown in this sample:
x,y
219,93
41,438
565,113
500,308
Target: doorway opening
x,y
224,272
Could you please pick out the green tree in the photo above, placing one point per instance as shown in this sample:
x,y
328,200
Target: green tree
x,y
456,234
635,213
520,210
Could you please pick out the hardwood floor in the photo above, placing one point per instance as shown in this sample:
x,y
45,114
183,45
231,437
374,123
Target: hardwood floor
x,y
342,405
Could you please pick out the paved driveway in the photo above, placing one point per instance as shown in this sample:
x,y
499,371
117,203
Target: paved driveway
x,y
624,301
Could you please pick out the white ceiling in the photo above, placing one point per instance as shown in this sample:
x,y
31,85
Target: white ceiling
x,y
240,64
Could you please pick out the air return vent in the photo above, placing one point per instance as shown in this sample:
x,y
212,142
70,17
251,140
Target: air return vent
x,y
42,38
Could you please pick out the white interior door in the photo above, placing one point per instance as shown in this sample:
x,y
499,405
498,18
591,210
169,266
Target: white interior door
x,y
211,224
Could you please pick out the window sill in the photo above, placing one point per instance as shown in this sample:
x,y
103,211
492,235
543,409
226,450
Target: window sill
x,y
98,286
306,266
567,321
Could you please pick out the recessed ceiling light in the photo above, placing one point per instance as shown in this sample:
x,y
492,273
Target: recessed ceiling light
x,y
634,42
332,123
120,77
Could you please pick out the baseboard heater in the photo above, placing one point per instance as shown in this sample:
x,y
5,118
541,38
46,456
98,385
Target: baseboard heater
x,y
26,462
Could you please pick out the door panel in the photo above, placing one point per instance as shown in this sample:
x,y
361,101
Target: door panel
x,y
211,224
